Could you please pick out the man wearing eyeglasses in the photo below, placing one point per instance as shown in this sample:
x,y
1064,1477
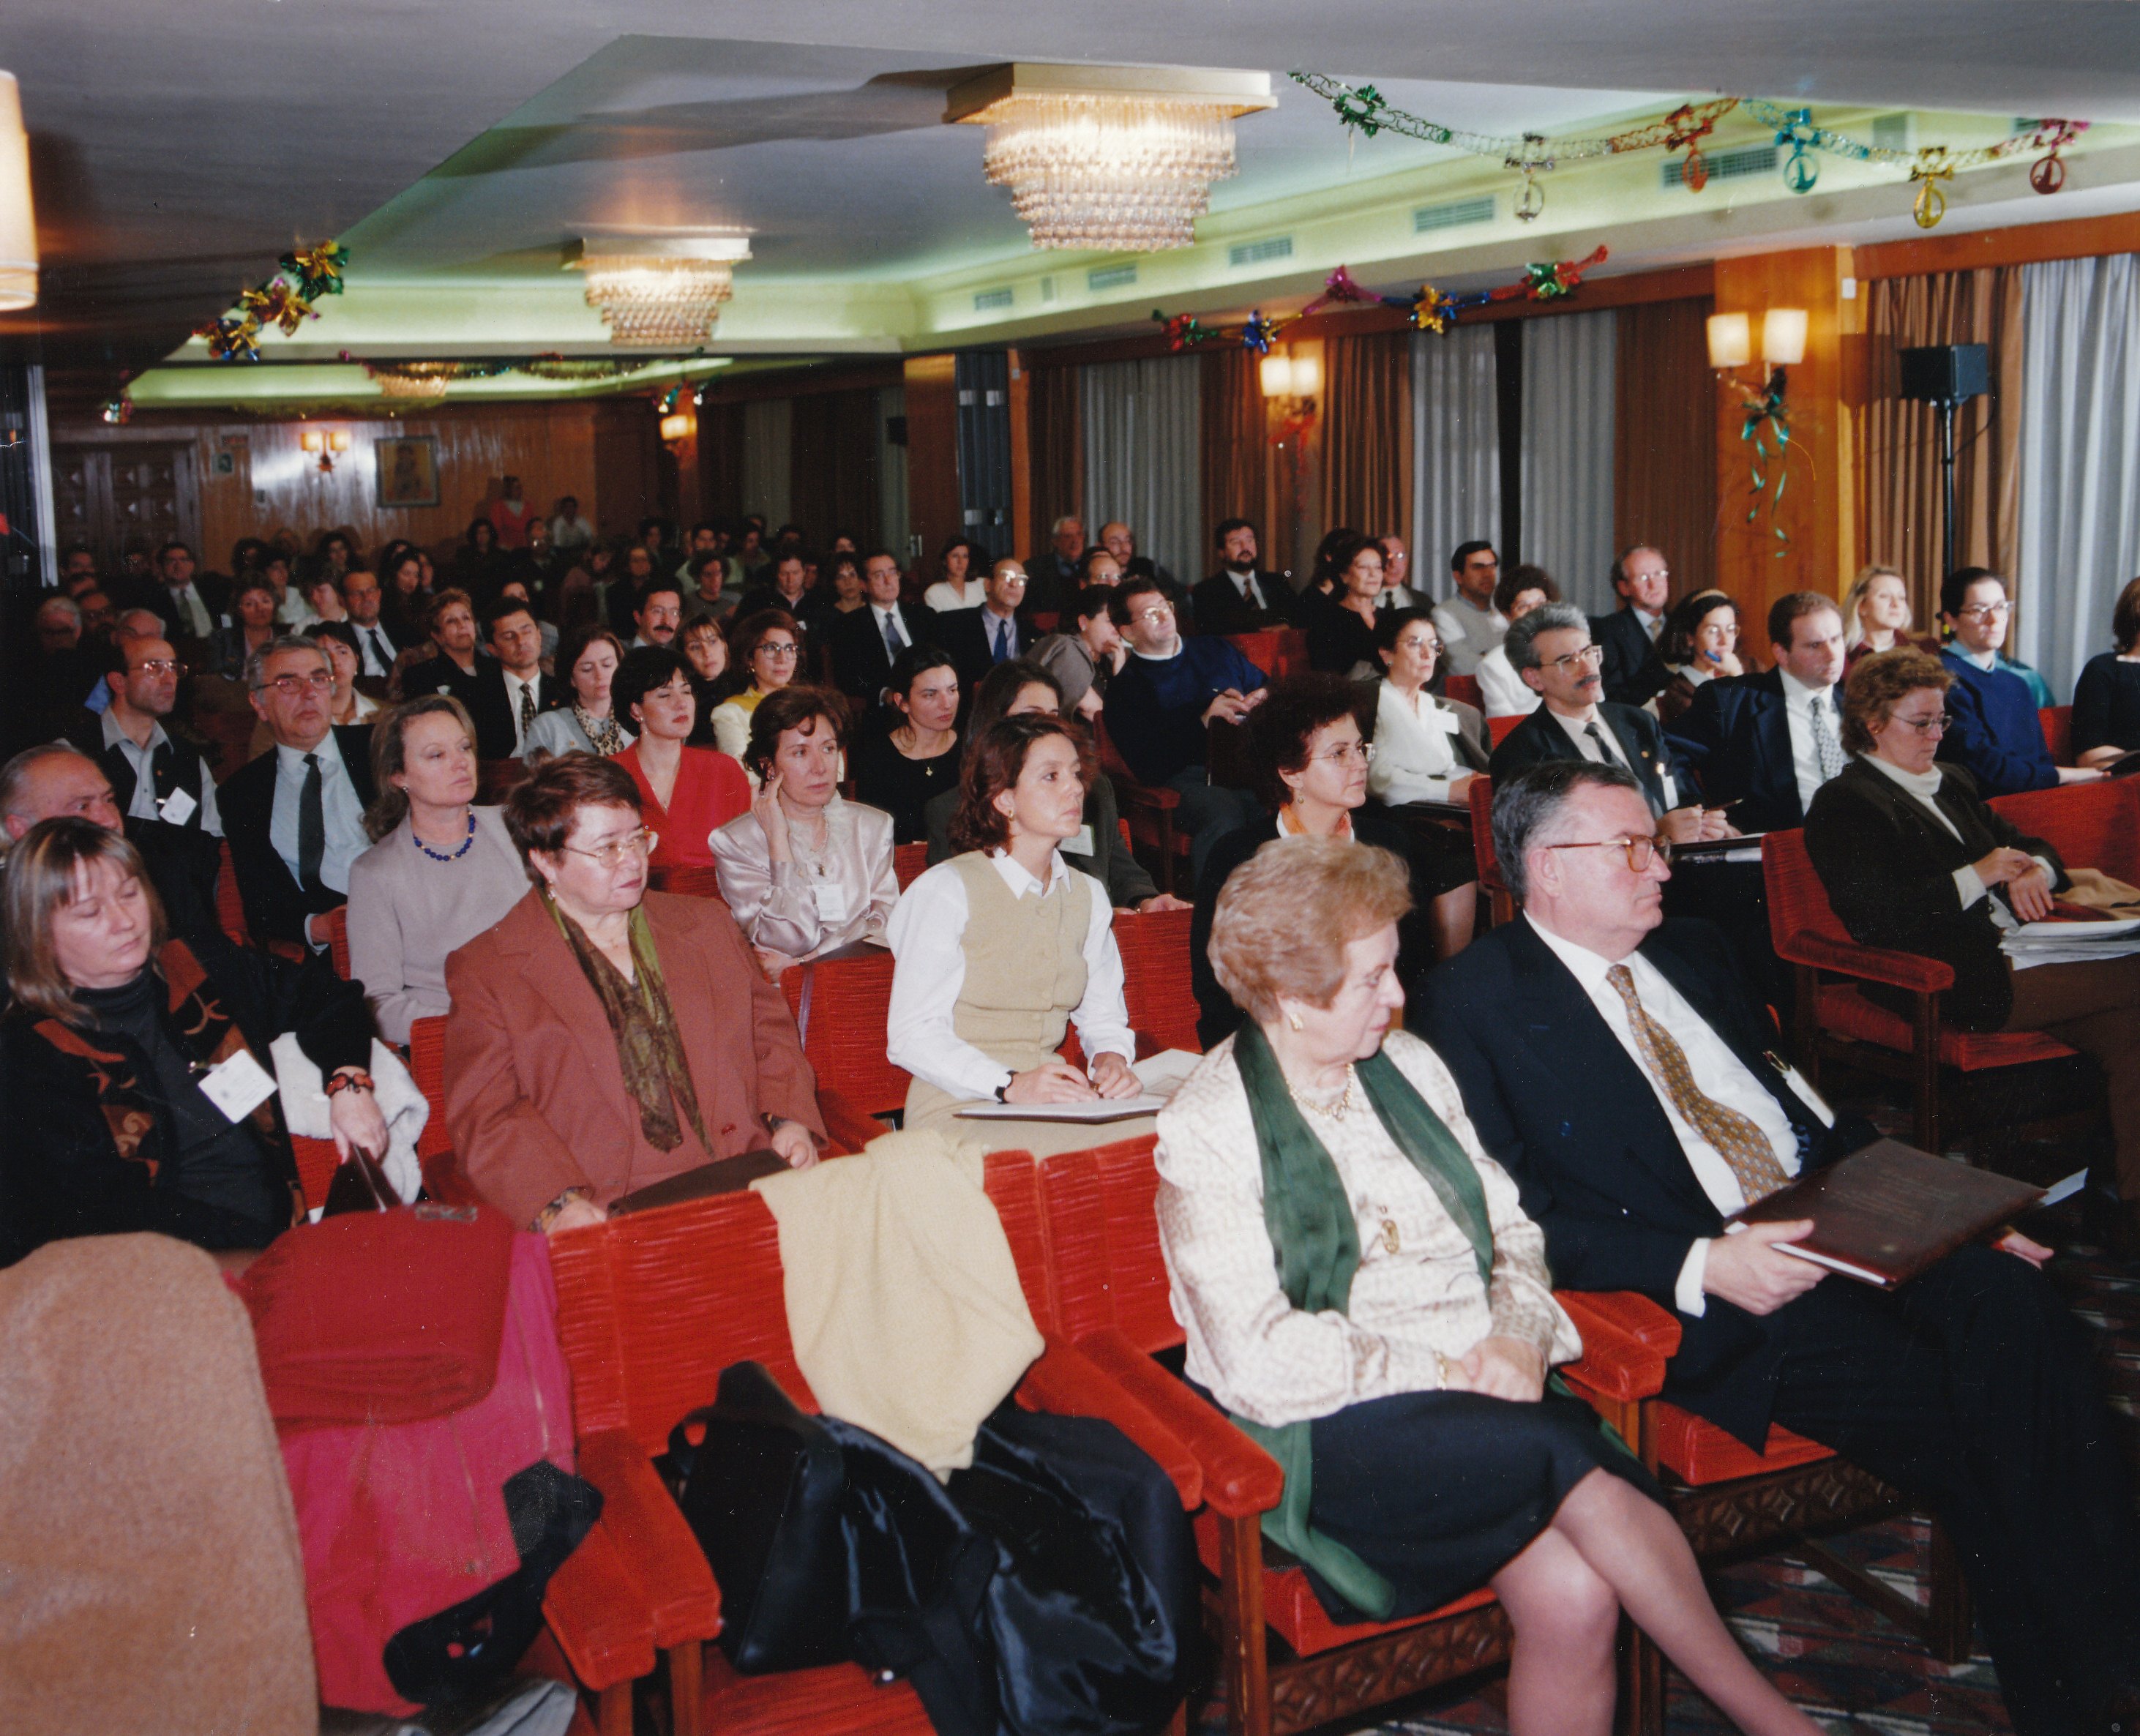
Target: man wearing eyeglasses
x,y
1611,1060
156,780
295,817
1993,727
1551,651
1634,673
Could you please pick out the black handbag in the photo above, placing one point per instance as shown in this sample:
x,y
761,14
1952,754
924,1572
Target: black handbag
x,y
761,1486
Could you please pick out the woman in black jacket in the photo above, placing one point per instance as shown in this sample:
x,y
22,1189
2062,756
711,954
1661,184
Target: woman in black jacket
x,y
139,1076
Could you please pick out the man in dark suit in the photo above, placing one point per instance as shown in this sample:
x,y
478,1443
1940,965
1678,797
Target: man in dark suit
x,y
865,641
295,816
1551,651
375,650
510,690
1634,673
1609,1059
1762,744
979,639
191,603
1240,597
785,590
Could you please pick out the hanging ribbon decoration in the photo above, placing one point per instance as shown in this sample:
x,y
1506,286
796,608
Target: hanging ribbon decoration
x,y
1257,334
318,270
1689,129
1928,172
231,338
1766,410
280,301
1530,162
1184,332
1800,171
2047,174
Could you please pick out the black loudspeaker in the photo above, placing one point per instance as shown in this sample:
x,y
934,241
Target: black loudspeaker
x,y
1946,373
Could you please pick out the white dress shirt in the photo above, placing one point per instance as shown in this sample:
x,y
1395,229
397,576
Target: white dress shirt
x,y
1798,703
1468,632
1652,624
927,934
894,615
1578,732
1415,1299
344,814
516,685
374,648
1415,747
1502,693
1718,1074
1252,593
144,805
193,618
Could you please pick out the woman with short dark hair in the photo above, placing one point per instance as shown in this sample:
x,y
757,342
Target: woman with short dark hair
x,y
605,1037
1700,642
766,653
1341,635
689,794
901,768
1003,947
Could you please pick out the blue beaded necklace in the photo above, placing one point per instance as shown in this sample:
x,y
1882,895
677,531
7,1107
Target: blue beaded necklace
x,y
446,856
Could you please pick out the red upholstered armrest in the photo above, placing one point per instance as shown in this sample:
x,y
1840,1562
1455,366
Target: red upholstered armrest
x,y
596,1610
1627,1312
846,1125
1240,1478
1156,798
1874,963
1068,1383
676,1587
1615,1363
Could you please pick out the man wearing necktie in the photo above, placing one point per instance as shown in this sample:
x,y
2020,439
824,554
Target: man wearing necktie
x,y
190,612
865,642
1612,1062
360,598
979,639
1634,673
295,817
510,689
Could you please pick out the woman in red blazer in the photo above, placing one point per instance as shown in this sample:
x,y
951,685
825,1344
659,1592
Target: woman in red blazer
x,y
687,793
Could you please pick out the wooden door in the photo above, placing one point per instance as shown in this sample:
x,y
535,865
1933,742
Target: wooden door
x,y
118,498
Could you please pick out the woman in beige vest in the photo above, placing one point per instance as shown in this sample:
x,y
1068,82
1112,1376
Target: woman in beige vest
x,y
1002,947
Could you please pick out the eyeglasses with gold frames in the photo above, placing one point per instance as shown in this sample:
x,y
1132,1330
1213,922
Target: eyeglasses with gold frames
x,y
611,855
1639,851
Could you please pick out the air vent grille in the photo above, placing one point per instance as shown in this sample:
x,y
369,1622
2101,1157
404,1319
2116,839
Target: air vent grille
x,y
1452,214
1111,276
986,300
1258,252
1726,165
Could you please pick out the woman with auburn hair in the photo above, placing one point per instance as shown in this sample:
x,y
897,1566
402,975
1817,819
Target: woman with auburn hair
x,y
605,1037
440,872
689,793
127,1056
805,871
1364,1296
1002,948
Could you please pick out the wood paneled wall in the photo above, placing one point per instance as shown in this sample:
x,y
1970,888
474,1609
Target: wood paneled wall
x,y
605,452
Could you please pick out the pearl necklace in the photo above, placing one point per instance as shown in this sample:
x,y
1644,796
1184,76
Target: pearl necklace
x,y
1334,1112
446,856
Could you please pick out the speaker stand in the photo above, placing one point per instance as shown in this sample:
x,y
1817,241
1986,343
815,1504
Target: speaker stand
x,y
1945,409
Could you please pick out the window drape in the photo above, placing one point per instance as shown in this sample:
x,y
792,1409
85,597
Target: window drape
x,y
1367,433
2079,519
1057,457
1140,424
833,464
1455,450
1664,439
1235,453
1567,452
1898,466
768,437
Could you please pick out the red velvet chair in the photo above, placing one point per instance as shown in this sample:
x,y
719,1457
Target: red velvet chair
x,y
1465,690
229,906
2058,734
849,1001
1497,729
1500,902
1286,1665
1277,651
651,1308
338,939
2090,825
1155,983
908,862
1147,810
686,880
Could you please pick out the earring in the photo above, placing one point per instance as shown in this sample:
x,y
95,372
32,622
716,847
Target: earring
x,y
1293,1019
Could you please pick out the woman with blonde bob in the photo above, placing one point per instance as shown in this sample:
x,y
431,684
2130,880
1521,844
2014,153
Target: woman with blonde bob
x,y
1363,1295
125,1056
1876,616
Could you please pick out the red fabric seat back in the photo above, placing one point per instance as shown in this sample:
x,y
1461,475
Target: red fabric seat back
x,y
229,907
2058,733
435,1145
1465,690
1480,795
2090,825
908,863
1155,982
686,880
850,1004
1498,728
1798,902
338,939
652,1306
1103,1232
402,1520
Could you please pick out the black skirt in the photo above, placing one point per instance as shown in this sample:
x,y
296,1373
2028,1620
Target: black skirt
x,y
1439,1491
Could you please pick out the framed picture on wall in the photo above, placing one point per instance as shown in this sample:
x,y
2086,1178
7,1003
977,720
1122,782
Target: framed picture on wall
x,y
408,470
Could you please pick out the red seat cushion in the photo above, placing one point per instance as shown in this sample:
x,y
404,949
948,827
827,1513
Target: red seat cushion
x,y
1698,1452
839,1700
1847,1012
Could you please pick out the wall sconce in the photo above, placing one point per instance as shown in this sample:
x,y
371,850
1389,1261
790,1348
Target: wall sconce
x,y
1783,346
1284,374
325,442
18,226
678,426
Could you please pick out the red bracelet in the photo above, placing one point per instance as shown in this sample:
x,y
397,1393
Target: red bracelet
x,y
358,1081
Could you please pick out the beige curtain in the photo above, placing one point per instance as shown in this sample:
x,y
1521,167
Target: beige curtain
x,y
1367,433
1057,449
1898,478
1233,455
1664,439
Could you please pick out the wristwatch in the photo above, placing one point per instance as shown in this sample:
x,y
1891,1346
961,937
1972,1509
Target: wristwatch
x,y
1002,1092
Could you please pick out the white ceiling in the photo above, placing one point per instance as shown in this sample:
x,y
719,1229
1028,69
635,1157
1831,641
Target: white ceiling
x,y
178,148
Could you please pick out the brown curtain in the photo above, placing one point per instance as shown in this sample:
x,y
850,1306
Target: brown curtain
x,y
1367,433
720,459
1235,461
832,464
1056,441
1664,438
1898,472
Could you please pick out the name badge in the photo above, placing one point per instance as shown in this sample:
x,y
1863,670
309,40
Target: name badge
x,y
1451,725
1079,842
832,901
238,1086
177,808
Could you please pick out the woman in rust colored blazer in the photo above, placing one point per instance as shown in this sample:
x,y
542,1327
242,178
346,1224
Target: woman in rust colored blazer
x,y
604,1038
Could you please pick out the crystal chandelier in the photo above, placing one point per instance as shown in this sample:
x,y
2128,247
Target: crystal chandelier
x,y
1113,159
662,294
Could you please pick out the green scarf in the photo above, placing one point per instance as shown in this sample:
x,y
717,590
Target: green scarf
x,y
649,1047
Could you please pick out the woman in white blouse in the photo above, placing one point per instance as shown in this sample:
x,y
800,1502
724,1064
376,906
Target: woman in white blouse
x,y
1502,692
954,588
1002,948
1425,749
1363,1295
804,871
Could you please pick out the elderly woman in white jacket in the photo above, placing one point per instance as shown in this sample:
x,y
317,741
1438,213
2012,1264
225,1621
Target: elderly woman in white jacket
x,y
804,871
1425,749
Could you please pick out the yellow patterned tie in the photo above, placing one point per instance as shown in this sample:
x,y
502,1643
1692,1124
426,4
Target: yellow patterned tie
x,y
1739,1141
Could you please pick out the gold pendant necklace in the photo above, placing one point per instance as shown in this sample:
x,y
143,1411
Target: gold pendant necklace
x,y
1334,1112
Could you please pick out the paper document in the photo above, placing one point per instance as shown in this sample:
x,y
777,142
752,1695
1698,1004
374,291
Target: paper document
x,y
2069,942
1160,1074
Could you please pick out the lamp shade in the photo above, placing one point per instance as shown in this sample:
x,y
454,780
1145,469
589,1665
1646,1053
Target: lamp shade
x,y
18,226
1276,375
1730,341
1306,375
679,425
1783,337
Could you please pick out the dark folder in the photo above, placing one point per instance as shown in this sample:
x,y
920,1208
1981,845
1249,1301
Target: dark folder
x,y
725,1175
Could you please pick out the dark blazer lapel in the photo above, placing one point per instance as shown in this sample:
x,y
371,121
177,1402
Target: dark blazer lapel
x,y
1644,758
1776,773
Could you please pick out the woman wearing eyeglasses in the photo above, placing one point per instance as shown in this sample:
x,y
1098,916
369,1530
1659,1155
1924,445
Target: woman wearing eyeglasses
x,y
766,650
1914,858
1312,762
605,1037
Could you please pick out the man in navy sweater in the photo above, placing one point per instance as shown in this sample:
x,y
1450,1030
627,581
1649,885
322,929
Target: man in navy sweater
x,y
1159,702
1992,726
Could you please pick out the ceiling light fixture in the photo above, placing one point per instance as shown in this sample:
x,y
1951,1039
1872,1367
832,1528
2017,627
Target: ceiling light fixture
x,y
1113,159
18,226
659,293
